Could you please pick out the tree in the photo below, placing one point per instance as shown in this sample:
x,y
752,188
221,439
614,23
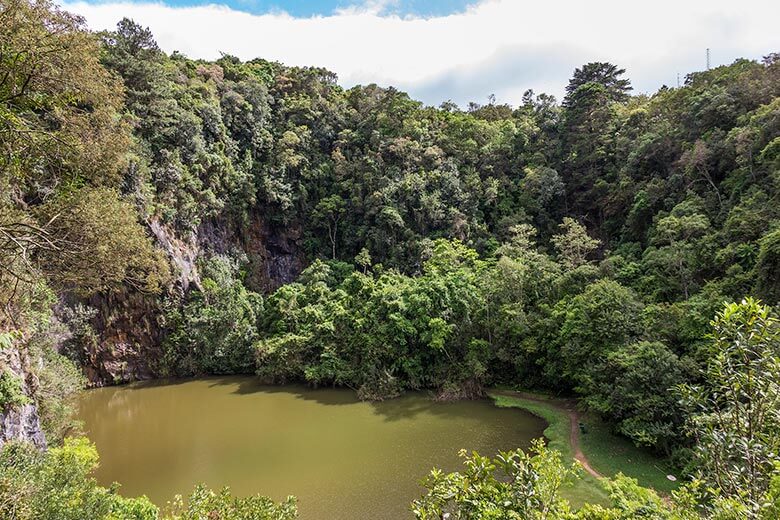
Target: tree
x,y
520,485
543,185
589,133
216,329
133,38
633,387
676,239
602,319
573,244
697,162
60,130
735,413
514,484
59,108
330,209
203,503
106,247
604,74
58,485
767,268
301,337
11,391
363,259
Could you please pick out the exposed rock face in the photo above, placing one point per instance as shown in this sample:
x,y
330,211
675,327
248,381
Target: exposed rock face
x,y
129,325
182,253
129,338
275,257
20,422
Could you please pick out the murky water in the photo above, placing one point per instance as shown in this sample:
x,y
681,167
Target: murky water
x,y
344,459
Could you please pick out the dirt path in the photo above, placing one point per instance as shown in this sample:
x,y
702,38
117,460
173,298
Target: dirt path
x,y
570,409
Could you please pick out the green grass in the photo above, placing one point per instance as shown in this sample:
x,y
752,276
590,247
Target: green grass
x,y
582,490
609,454
557,431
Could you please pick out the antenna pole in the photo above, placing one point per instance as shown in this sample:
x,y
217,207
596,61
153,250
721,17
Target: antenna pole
x,y
708,58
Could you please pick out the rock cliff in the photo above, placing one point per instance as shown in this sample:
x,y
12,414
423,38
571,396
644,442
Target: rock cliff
x,y
20,422
129,324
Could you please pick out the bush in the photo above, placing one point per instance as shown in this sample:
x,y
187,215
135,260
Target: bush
x,y
57,485
107,247
214,332
11,391
634,387
204,503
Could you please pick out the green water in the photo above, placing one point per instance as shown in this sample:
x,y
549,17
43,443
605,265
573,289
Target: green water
x,y
344,459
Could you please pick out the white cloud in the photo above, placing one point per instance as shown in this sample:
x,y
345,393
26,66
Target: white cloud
x,y
495,46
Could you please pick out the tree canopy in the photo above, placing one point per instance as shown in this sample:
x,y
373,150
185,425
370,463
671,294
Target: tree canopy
x,y
579,248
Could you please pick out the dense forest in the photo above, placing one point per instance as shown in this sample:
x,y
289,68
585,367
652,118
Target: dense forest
x,y
165,216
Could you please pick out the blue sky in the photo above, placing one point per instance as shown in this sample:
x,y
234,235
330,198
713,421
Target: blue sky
x,y
424,8
461,50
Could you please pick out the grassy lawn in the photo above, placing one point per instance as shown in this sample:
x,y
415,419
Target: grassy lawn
x,y
584,489
609,454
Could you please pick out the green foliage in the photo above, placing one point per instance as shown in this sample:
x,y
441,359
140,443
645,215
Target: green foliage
x,y
676,243
573,244
205,503
215,329
380,333
768,267
107,247
11,391
600,320
59,108
58,485
514,484
634,387
604,74
58,381
520,485
46,378
658,208
363,259
735,413
64,147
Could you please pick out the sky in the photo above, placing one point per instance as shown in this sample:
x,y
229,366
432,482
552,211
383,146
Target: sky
x,y
460,50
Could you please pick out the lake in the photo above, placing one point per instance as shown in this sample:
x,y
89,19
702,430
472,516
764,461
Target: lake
x,y
343,458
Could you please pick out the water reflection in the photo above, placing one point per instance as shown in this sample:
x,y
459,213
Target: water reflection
x,y
343,458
